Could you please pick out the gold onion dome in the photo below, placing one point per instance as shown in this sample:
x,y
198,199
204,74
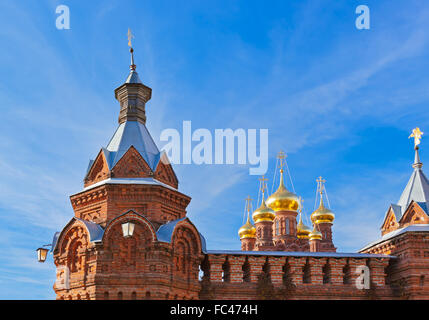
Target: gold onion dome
x,y
263,213
302,231
283,199
322,214
315,234
247,230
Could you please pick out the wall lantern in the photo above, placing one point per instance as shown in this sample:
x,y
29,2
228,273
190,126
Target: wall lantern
x,y
128,229
42,253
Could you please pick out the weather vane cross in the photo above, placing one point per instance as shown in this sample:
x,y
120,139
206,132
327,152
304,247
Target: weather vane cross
x,y
130,36
417,135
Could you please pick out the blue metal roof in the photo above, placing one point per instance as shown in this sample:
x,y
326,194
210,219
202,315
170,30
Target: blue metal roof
x,y
165,232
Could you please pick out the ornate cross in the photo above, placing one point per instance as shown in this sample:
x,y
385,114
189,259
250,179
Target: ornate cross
x,y
417,135
320,184
281,156
263,184
248,203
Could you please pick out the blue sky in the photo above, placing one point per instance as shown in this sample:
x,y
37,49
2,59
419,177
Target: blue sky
x,y
340,101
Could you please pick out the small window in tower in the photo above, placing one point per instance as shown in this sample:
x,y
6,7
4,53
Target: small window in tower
x,y
277,227
287,226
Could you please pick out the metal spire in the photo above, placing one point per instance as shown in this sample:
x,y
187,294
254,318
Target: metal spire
x,y
130,36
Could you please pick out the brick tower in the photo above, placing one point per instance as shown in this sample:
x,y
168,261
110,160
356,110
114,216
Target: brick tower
x,y
130,237
405,234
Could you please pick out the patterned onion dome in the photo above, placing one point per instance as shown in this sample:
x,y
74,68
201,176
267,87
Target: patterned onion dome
x,y
263,213
283,199
247,230
302,231
322,214
315,234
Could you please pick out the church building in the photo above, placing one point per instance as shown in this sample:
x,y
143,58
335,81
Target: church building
x,y
130,237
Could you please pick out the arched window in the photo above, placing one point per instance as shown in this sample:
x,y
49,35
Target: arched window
x,y
287,226
120,296
148,295
106,295
134,296
277,227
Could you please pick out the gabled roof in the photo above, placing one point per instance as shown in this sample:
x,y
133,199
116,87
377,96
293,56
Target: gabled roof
x,y
396,211
132,133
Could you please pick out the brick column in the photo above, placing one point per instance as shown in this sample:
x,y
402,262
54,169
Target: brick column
x,y
236,268
377,270
216,263
337,274
256,264
296,265
276,269
316,272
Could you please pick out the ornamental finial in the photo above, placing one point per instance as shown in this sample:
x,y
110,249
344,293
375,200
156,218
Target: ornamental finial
x,y
417,135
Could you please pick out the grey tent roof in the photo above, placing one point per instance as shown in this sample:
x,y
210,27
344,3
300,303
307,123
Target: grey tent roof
x,y
417,189
132,133
133,77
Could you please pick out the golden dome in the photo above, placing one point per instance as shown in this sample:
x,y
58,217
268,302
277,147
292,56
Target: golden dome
x,y
322,214
315,234
302,231
263,213
283,199
247,230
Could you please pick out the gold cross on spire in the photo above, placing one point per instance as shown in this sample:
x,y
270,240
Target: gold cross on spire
x,y
320,184
248,203
130,36
281,156
263,185
417,135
